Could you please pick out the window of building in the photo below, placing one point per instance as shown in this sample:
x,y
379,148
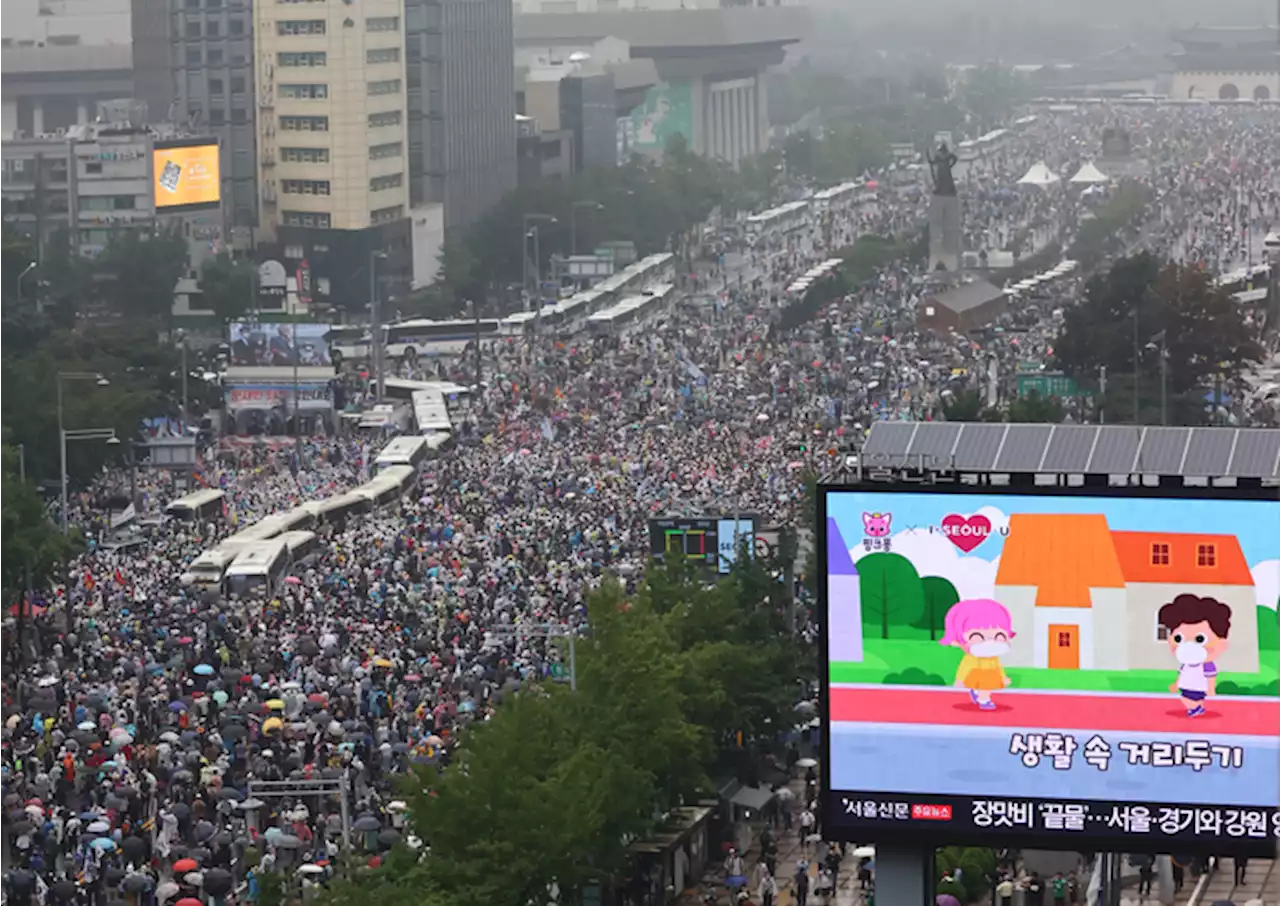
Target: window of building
x,y
195,56
213,29
379,183
193,28
313,91
1206,555
235,26
1162,631
382,55
237,84
239,116
215,56
306,58
1064,640
217,117
216,86
385,118
389,149
384,86
386,215
304,186
300,27
304,124
305,155
382,23
93,167
193,4
1159,554
305,219
213,4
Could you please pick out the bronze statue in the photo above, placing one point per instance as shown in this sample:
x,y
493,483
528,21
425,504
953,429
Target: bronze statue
x,y
943,182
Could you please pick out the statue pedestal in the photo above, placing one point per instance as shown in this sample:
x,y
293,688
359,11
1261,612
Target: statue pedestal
x,y
945,240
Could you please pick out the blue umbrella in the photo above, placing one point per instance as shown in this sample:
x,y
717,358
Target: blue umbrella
x,y
202,670
104,843
467,706
177,706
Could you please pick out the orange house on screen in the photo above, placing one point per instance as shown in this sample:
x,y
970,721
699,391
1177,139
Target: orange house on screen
x,y
1083,597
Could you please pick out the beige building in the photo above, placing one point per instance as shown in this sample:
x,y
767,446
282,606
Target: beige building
x,y
332,149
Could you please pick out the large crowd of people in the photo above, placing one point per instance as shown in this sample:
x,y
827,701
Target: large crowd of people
x,y
151,725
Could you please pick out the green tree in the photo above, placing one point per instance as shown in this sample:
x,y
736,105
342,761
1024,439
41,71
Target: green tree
x,y
892,594
1036,408
990,92
1140,307
977,867
142,271
1269,628
939,595
968,406
226,286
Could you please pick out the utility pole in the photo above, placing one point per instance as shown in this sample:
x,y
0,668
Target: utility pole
x,y
475,311
1102,393
375,333
1137,367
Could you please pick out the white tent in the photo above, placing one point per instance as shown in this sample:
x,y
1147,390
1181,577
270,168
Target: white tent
x,y
1090,174
1039,175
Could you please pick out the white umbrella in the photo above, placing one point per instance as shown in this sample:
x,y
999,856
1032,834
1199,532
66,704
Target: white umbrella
x,y
864,852
807,763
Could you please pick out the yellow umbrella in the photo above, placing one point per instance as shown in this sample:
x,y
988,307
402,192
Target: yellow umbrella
x,y
381,662
275,704
271,724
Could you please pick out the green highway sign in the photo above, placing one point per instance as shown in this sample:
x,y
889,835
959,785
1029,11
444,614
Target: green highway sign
x,y
1050,383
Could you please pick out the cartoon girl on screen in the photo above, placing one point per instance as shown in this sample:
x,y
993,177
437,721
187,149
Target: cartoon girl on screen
x,y
981,628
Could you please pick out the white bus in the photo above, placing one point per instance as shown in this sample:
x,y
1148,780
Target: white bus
x,y
301,545
404,477
207,570
431,413
429,339
258,569
334,511
200,506
778,221
380,492
350,343
633,313
408,451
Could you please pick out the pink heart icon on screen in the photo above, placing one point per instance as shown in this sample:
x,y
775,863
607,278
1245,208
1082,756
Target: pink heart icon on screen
x,y
966,532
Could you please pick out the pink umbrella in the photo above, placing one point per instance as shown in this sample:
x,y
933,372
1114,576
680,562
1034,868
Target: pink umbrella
x,y
293,580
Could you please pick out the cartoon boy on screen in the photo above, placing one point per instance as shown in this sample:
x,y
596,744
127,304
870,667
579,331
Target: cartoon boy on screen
x,y
982,629
1198,629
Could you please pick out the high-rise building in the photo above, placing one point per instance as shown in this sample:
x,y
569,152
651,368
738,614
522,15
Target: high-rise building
x,y
461,105
195,58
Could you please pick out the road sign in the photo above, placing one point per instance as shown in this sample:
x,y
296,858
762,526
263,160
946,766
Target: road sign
x,y
1050,383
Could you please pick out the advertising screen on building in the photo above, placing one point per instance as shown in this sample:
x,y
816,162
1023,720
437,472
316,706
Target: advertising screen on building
x,y
709,541
1063,670
268,343
187,174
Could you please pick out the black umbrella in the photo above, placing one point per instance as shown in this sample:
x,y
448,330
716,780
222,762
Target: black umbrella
x,y
233,731
230,792
63,890
308,647
286,841
20,827
113,801
22,881
136,883
134,849
389,838
222,838
180,809
113,876
366,824
204,830
200,853
217,882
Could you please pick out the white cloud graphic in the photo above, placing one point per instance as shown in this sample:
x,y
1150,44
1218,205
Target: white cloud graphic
x,y
1266,583
933,555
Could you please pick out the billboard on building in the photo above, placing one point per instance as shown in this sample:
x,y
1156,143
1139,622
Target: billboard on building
x,y
186,174
713,542
256,343
1067,670
667,111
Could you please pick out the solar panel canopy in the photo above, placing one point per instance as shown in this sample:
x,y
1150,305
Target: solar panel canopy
x,y
1078,449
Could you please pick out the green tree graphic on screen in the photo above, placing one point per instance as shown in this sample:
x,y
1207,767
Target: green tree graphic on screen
x,y
939,595
892,595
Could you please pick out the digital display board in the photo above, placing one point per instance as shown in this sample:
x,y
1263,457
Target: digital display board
x,y
1062,670
710,541
256,343
186,174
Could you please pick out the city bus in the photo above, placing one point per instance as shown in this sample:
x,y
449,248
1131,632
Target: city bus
x,y
778,221
258,569
349,343
411,451
334,511
380,492
633,313
432,339
200,506
207,570
302,545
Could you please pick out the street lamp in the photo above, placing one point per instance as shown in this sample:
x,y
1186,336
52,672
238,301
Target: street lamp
x,y
1160,343
526,233
64,435
573,220
375,332
28,269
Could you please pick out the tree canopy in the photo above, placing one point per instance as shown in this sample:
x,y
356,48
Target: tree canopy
x,y
671,680
1141,309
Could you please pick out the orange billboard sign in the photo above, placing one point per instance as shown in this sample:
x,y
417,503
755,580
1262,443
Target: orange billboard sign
x,y
187,175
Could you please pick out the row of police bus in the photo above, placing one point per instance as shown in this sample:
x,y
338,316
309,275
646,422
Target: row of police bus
x,y
258,559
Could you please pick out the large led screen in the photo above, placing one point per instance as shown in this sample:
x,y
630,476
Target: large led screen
x,y
187,174
1068,670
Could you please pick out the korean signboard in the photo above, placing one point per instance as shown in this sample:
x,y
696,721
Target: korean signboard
x,y
1074,671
